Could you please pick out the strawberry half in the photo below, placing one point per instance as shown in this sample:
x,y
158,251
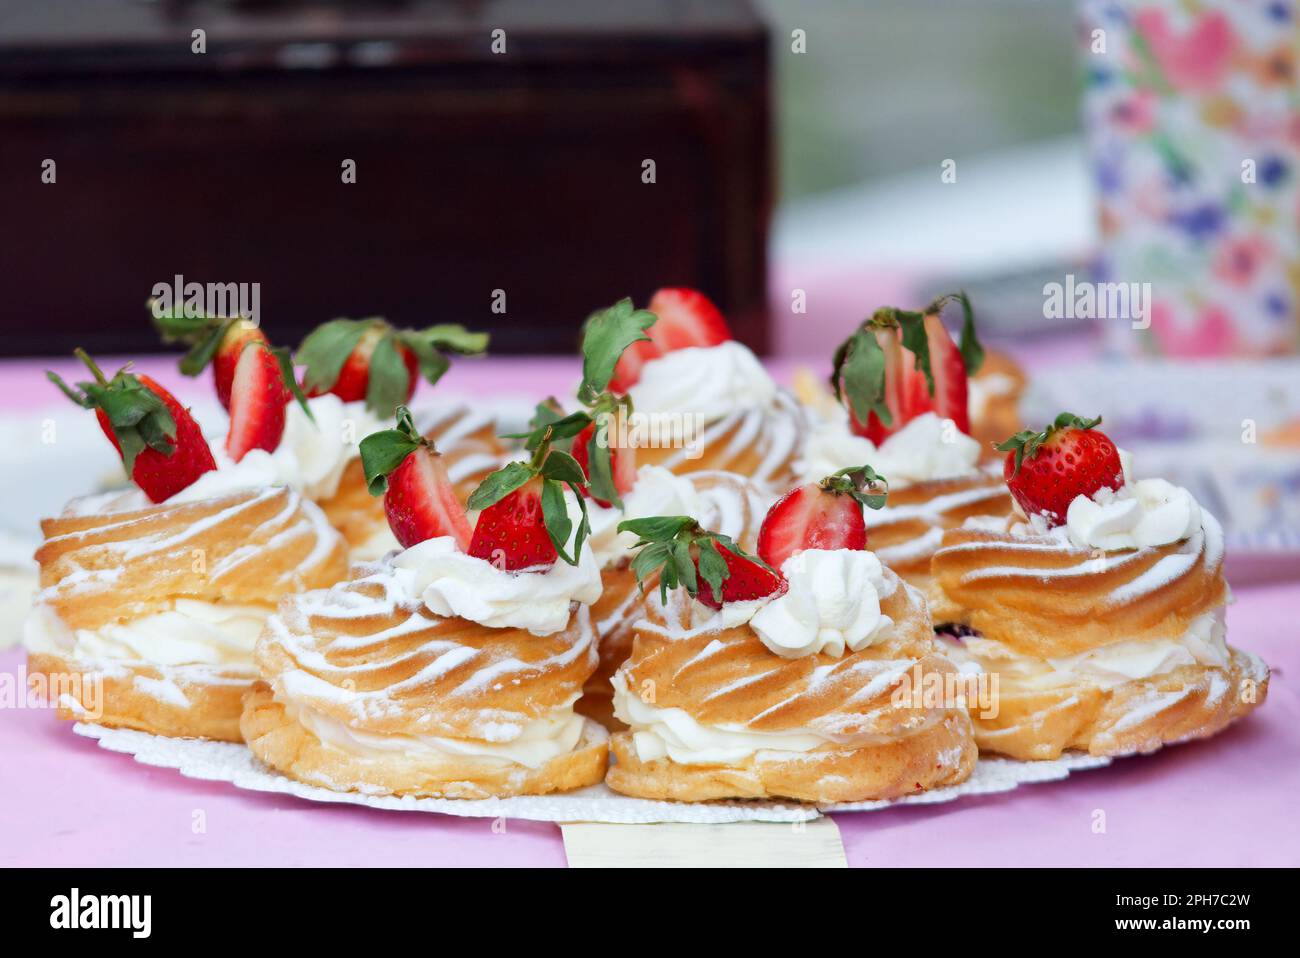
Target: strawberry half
x,y
259,400
161,445
622,464
820,515
367,359
1045,470
708,565
419,498
745,580
511,533
218,340
686,317
683,318
900,365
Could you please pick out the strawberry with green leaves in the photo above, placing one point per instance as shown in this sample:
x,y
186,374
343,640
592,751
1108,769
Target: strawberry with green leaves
x,y
609,471
899,365
419,498
683,554
524,520
367,359
215,340
683,318
161,445
1045,470
821,515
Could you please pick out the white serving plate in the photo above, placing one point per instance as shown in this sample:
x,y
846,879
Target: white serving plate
x,y
233,763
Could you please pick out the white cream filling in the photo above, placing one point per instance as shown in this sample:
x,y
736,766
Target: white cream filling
x,y
1204,643
190,632
672,733
538,742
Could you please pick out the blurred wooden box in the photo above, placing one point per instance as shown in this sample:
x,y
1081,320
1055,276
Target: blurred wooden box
x,y
475,171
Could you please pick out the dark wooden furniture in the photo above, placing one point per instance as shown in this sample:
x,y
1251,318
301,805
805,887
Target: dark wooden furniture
x,y
475,171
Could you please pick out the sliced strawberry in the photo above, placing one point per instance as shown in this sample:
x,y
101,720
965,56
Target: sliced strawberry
x,y
354,377
746,580
622,464
239,333
511,533
949,370
421,502
162,457
218,340
1045,470
899,390
627,373
258,402
686,317
810,517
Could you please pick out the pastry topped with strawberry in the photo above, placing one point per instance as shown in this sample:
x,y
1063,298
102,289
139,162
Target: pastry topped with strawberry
x,y
904,385
306,436
1099,605
477,640
773,674
154,598
701,401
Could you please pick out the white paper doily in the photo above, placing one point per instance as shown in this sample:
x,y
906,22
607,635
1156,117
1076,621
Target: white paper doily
x,y
230,762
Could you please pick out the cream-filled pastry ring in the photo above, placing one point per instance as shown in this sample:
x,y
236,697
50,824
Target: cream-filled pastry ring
x,y
147,617
365,689
1141,715
713,713
179,701
1107,652
290,746
724,501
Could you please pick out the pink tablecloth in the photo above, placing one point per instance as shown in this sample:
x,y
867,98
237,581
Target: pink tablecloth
x,y
1228,801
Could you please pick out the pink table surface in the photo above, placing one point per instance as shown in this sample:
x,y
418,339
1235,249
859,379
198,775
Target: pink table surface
x,y
1226,801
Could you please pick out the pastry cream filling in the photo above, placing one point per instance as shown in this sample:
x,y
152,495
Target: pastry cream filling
x,y
538,742
672,733
190,632
926,448
1107,666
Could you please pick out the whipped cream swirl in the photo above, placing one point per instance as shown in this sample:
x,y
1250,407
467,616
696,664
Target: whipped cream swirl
x,y
1149,512
709,381
310,458
453,583
926,448
832,605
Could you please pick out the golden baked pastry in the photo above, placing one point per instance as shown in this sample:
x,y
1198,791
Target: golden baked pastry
x,y
154,610
715,714
727,502
1096,609
365,689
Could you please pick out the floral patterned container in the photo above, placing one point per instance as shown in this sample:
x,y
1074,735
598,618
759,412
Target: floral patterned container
x,y
1192,112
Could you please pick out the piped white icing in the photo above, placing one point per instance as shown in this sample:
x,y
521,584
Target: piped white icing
x,y
926,448
832,605
712,381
